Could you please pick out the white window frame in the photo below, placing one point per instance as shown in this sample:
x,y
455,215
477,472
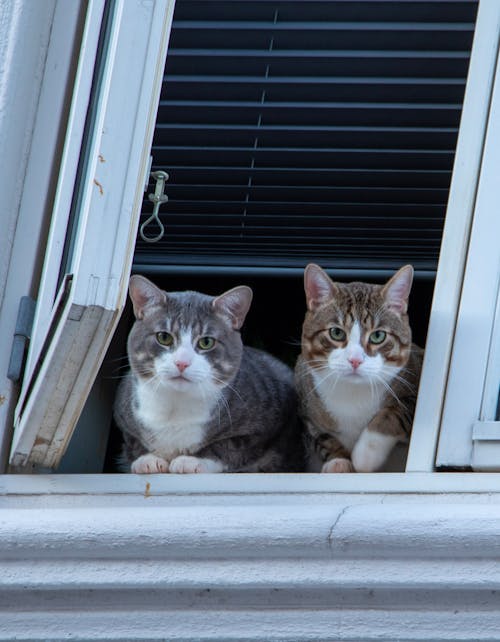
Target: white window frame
x,y
84,310
100,290
470,436
460,250
41,108
379,556
98,287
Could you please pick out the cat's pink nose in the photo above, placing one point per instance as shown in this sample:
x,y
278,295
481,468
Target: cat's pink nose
x,y
355,362
181,365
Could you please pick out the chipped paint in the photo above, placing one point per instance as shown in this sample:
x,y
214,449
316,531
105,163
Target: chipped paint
x,y
101,190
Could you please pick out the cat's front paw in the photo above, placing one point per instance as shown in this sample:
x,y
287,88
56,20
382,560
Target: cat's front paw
x,y
189,464
337,465
149,464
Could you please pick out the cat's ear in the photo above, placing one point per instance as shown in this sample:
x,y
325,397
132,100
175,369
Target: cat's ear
x,y
143,294
234,304
397,290
318,286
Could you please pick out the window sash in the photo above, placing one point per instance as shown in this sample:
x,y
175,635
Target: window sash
x,y
465,401
77,330
473,156
48,291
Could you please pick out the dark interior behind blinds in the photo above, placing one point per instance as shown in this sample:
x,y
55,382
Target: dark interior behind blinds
x,y
297,131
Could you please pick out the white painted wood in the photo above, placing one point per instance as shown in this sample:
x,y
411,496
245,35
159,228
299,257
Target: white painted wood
x,y
117,153
486,430
89,489
68,365
486,446
491,397
22,66
461,203
485,455
48,290
36,40
302,567
474,331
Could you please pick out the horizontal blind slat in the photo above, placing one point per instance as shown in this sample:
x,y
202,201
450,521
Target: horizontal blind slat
x,y
298,130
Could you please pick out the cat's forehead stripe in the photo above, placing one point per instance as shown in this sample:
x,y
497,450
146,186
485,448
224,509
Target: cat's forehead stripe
x,y
355,335
185,312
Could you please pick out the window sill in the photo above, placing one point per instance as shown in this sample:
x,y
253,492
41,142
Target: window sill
x,y
253,557
156,486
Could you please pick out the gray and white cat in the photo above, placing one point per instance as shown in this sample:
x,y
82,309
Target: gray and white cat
x,y
358,372
196,400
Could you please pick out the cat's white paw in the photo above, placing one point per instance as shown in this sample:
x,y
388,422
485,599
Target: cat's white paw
x,y
189,464
337,465
149,464
371,451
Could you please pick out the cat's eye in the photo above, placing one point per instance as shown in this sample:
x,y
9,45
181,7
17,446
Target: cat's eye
x,y
337,334
164,338
206,343
377,337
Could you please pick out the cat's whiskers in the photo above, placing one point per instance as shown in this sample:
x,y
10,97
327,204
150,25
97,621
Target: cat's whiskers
x,y
312,361
115,377
331,373
156,380
323,366
227,385
114,359
143,372
222,401
389,389
411,388
373,390
407,371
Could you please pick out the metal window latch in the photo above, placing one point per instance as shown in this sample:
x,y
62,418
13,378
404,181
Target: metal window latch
x,y
157,199
22,335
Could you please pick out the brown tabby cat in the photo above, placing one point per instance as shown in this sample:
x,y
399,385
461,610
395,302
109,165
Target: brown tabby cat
x,y
358,372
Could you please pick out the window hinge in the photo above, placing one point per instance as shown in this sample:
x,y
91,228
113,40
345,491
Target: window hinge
x,y
22,335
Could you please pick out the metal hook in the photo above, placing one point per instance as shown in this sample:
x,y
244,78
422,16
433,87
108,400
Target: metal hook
x,y
157,198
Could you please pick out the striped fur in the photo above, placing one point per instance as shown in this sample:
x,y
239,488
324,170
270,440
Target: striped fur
x,y
357,396
187,408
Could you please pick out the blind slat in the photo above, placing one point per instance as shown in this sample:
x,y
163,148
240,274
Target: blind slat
x,y
309,130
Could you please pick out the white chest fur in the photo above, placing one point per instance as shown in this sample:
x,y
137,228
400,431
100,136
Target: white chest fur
x,y
175,420
352,405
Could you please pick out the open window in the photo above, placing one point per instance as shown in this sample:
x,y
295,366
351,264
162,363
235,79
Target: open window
x,y
281,148
470,429
455,426
93,226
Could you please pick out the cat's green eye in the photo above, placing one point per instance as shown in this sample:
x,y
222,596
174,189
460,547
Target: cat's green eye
x,y
377,337
337,334
206,343
164,338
